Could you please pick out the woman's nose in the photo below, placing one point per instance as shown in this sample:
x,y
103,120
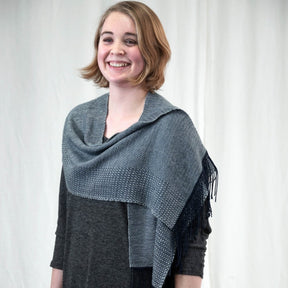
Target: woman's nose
x,y
117,49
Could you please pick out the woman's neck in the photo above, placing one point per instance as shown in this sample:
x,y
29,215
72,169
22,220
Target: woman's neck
x,y
125,107
126,102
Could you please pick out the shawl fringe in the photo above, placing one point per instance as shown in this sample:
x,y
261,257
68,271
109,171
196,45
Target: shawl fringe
x,y
191,218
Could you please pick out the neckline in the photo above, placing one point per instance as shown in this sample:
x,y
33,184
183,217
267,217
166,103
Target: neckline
x,y
106,139
155,106
106,114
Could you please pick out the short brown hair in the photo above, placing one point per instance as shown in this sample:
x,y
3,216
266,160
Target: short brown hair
x,y
152,43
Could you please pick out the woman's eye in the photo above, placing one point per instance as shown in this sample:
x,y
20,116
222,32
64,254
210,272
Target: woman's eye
x,y
131,42
107,40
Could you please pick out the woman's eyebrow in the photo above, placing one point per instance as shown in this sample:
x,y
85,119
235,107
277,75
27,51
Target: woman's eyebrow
x,y
126,34
131,34
106,32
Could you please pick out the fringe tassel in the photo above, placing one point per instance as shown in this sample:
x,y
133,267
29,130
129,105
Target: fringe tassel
x,y
191,218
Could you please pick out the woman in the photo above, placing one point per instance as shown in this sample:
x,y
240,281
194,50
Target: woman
x,y
136,180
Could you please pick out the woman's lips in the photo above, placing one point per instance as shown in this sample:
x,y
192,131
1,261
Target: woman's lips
x,y
118,64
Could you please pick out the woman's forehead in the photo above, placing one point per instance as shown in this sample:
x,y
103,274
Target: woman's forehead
x,y
117,21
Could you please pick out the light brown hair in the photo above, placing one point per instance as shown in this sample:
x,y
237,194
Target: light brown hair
x,y
152,43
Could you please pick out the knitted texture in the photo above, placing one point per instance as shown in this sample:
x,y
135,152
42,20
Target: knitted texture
x,y
158,166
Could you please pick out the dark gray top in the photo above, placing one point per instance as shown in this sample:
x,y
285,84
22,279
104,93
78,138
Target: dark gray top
x,y
92,244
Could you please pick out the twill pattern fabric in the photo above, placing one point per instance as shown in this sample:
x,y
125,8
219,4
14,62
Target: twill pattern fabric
x,y
158,166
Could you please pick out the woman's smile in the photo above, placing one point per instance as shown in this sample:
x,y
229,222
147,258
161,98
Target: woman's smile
x,y
118,64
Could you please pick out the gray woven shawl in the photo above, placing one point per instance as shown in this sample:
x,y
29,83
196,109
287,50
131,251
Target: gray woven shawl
x,y
158,166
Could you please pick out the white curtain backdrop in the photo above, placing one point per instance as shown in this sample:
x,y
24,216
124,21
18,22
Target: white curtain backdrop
x,y
228,71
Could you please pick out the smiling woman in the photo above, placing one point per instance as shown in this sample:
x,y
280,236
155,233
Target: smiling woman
x,y
146,26
119,57
136,182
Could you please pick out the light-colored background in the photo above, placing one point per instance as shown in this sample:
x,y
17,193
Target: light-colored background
x,y
228,71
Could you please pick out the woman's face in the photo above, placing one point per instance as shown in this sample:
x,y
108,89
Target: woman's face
x,y
119,57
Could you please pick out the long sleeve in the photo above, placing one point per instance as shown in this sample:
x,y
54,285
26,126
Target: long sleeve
x,y
57,261
192,262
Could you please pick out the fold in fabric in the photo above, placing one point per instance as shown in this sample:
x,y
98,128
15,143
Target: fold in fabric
x,y
158,166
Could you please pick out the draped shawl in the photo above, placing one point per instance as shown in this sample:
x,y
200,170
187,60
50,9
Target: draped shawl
x,y
158,166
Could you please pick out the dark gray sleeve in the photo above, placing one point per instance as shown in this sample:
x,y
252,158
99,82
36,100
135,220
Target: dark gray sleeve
x,y
57,260
192,262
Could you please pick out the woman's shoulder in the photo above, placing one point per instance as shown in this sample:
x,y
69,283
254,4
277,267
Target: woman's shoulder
x,y
86,107
162,109
174,115
173,123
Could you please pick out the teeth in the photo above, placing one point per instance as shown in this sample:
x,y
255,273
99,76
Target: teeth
x,y
113,64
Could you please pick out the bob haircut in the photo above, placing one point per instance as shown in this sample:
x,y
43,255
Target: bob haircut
x,y
152,43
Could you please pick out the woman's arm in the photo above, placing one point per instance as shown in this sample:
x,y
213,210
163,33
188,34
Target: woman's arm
x,y
187,281
58,255
56,278
191,273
